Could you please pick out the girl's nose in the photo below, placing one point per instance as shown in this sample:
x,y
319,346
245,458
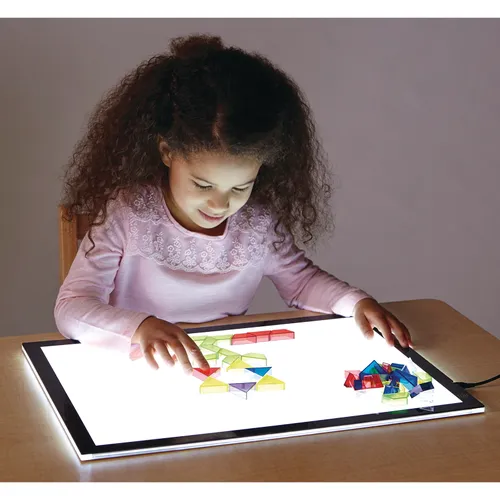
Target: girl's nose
x,y
218,204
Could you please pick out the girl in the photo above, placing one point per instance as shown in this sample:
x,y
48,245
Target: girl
x,y
200,172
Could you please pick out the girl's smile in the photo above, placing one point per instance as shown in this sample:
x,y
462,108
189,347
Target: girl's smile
x,y
211,219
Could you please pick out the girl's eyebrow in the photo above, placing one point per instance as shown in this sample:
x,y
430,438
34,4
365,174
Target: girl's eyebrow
x,y
211,183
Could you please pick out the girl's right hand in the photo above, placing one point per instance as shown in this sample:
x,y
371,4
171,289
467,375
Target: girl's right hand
x,y
155,335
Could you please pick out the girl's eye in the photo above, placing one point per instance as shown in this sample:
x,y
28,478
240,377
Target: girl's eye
x,y
201,187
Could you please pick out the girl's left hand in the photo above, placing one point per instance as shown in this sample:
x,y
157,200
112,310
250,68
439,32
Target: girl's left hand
x,y
368,313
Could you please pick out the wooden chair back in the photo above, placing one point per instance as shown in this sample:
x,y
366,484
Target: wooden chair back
x,y
70,236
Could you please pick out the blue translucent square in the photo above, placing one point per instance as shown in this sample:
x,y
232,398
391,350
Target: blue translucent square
x,y
389,389
358,384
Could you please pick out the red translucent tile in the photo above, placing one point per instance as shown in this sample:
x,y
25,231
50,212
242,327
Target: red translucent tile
x,y
349,381
281,334
243,338
366,383
354,372
377,381
262,336
202,374
372,382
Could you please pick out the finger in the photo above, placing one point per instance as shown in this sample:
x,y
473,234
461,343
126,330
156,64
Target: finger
x,y
364,326
400,331
167,339
181,354
161,349
147,350
397,331
194,352
384,327
407,334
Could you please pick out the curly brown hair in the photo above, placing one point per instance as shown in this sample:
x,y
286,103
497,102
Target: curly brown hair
x,y
204,96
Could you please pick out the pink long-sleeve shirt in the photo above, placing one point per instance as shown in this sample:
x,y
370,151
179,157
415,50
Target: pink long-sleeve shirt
x,y
146,264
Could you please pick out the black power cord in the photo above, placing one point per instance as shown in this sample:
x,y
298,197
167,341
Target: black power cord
x,y
467,385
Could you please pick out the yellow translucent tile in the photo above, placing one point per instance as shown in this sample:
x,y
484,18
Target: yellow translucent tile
x,y
395,399
423,377
397,395
238,364
394,402
212,385
270,383
255,358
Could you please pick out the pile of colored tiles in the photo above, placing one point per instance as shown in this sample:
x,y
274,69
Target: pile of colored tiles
x,y
396,380
252,367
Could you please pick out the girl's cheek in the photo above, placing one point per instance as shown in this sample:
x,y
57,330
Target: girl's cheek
x,y
245,199
194,196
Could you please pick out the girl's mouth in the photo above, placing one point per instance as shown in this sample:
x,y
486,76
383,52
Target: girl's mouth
x,y
210,219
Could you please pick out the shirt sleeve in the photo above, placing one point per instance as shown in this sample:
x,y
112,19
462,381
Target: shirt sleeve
x,y
304,285
82,311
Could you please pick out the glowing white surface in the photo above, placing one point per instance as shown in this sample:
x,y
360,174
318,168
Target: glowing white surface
x,y
123,401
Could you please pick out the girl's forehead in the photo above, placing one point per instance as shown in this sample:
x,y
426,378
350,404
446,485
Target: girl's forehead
x,y
219,164
210,159
220,169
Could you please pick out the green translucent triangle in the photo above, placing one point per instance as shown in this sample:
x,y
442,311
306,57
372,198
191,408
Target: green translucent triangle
x,y
199,340
212,356
223,337
209,347
231,359
209,340
227,352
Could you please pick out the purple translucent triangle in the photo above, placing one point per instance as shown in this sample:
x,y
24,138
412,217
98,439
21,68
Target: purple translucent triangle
x,y
243,386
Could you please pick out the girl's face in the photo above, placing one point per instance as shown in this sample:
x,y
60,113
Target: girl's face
x,y
205,189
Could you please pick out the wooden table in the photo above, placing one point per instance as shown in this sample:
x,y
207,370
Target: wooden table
x,y
33,446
